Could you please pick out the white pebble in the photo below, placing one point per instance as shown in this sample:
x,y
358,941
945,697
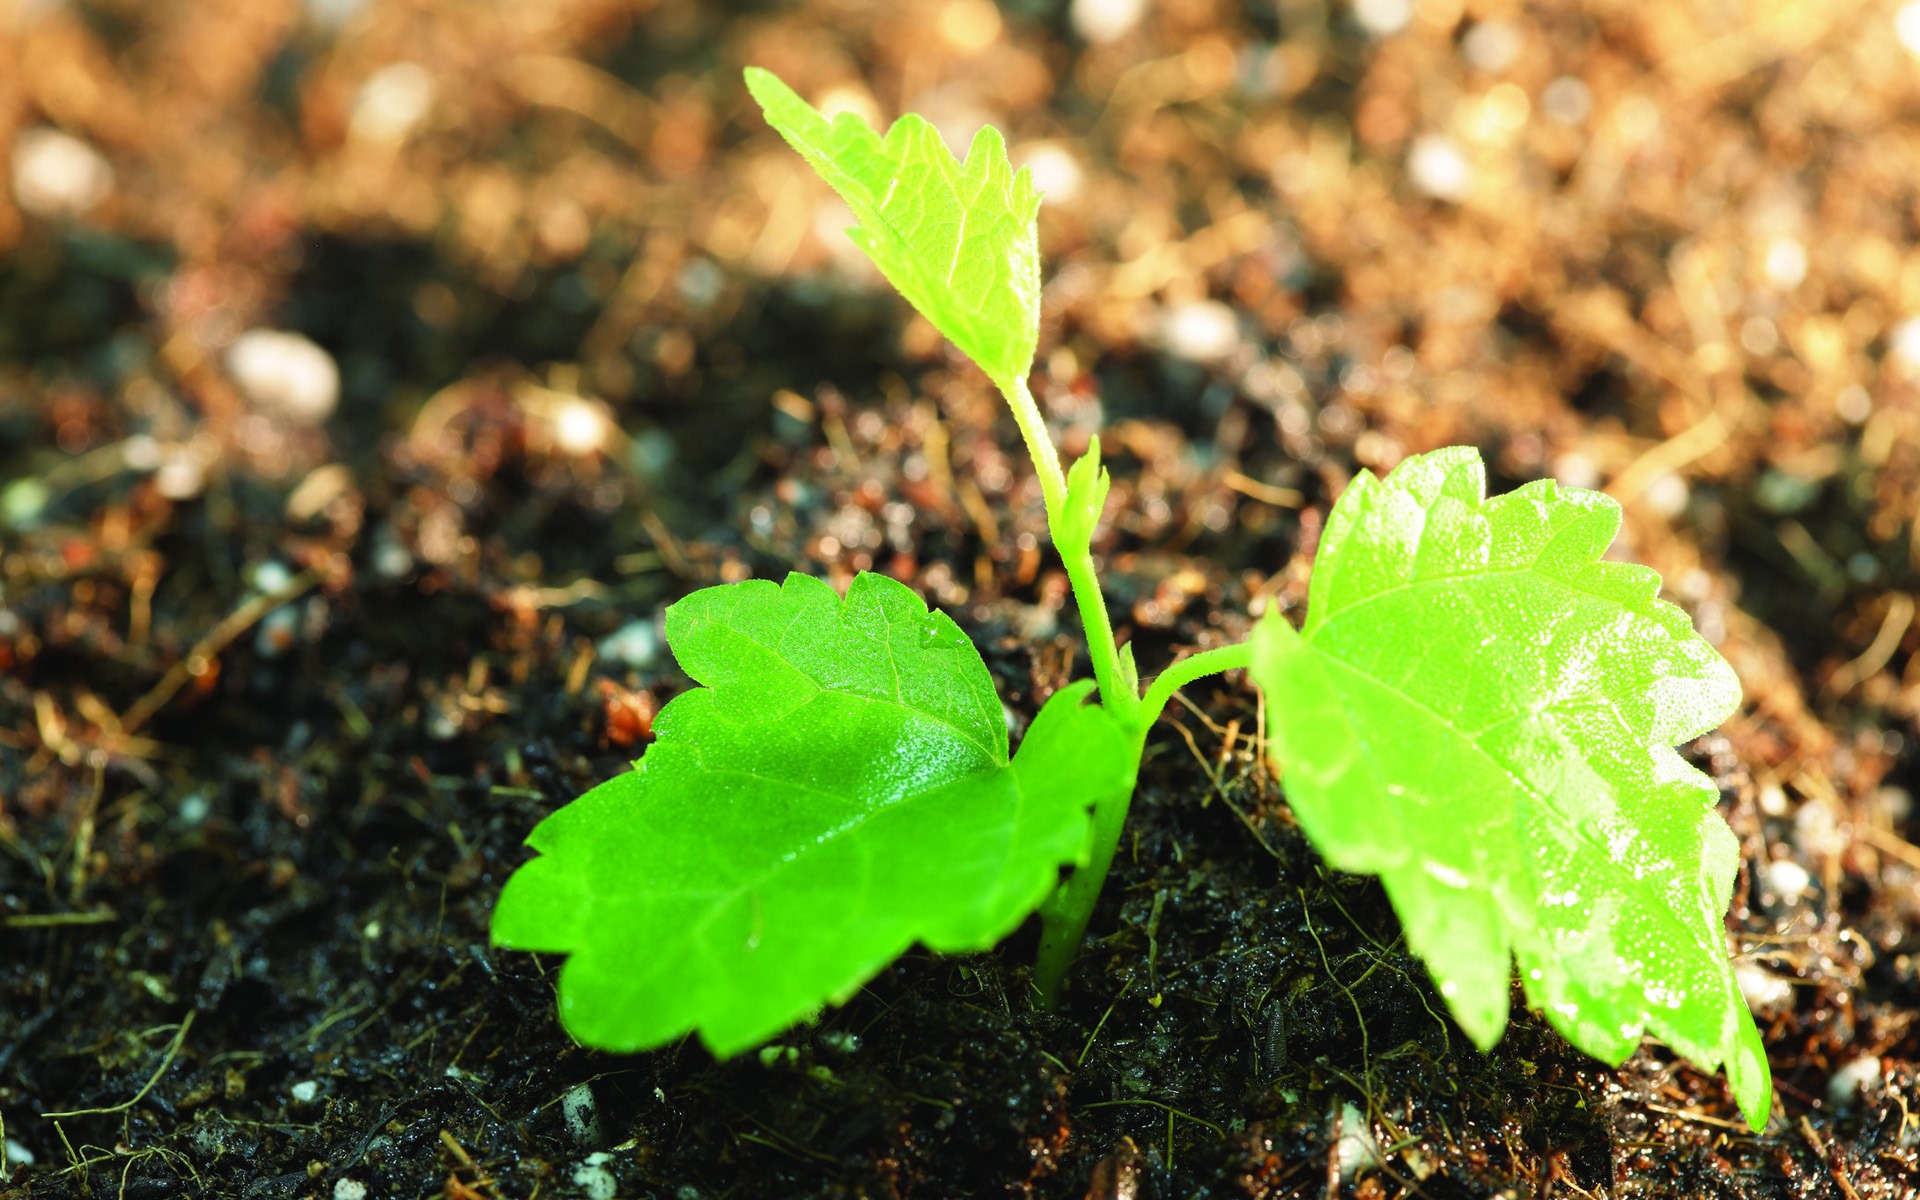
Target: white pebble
x,y
1765,992
58,175
1358,1150
1667,494
22,502
181,476
1904,345
1853,404
1439,169
1773,800
1788,880
1786,263
581,427
1383,18
1056,172
1492,46
1853,1079
1200,330
1575,470
331,14
635,644
582,1115
305,1092
1566,100
1106,20
349,1189
270,576
285,374
391,104
391,560
16,1153
1816,829
1906,26
593,1178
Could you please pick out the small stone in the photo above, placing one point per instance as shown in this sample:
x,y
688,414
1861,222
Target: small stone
x,y
1438,168
1200,330
1575,470
1492,46
305,1092
635,644
331,14
593,1178
1903,345
1853,405
22,503
16,1153
582,1115
1056,172
1566,100
391,104
1383,18
58,175
1106,20
1788,880
1668,495
1853,1080
349,1189
1358,1150
580,427
1767,994
1786,263
1816,830
285,375
181,476
1906,26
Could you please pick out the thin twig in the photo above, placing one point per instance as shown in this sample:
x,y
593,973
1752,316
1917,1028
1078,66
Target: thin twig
x,y
178,1038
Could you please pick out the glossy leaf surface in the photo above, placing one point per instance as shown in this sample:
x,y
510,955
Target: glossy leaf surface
x,y
957,239
839,790
1483,714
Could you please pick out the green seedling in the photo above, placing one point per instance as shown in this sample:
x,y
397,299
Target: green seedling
x,y
1478,710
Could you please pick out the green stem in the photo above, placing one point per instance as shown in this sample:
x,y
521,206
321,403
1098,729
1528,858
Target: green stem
x,y
1187,670
1064,917
1114,694
1033,431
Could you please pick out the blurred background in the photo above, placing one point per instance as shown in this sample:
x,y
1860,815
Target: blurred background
x,y
373,371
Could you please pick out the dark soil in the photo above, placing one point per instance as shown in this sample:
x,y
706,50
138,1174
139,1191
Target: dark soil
x,y
282,693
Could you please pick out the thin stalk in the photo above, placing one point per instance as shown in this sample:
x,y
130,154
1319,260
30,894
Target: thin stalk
x,y
1114,695
1064,917
1187,670
1033,431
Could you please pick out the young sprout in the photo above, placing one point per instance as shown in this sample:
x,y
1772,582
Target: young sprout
x,y
1478,709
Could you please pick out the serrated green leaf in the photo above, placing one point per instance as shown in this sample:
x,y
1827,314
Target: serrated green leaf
x,y
839,790
958,240
1484,714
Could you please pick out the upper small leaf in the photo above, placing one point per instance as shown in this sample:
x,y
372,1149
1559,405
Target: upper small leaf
x,y
1483,714
958,240
839,790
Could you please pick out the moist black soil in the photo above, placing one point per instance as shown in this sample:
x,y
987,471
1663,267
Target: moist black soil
x,y
282,690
